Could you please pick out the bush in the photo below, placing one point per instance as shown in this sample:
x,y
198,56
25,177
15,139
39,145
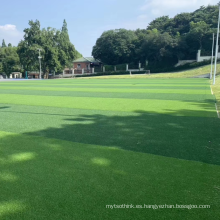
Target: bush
x,y
121,67
109,68
187,66
110,73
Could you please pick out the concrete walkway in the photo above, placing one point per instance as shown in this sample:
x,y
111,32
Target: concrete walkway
x,y
202,76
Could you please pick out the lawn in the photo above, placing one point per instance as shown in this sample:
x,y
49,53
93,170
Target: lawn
x,y
70,147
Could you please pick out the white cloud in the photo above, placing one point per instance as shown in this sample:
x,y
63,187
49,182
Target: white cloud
x,y
172,7
10,34
141,17
148,12
8,27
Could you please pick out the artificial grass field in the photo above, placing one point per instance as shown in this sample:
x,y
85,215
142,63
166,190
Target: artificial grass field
x,y
70,147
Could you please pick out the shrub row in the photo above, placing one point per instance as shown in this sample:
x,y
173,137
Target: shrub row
x,y
120,67
187,66
111,73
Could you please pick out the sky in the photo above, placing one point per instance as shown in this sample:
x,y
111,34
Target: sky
x,y
87,20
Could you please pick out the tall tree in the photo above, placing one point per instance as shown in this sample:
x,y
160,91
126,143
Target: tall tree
x,y
3,43
57,50
198,31
67,51
9,60
115,46
27,48
64,27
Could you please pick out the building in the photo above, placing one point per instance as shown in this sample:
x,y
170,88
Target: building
x,y
15,75
33,75
83,65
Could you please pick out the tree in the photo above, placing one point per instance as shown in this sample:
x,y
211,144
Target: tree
x,y
115,47
50,52
9,60
159,23
27,48
9,45
67,51
199,31
3,43
157,48
57,50
164,42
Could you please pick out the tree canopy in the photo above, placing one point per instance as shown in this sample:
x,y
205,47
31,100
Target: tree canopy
x,y
56,49
9,60
115,46
3,43
164,41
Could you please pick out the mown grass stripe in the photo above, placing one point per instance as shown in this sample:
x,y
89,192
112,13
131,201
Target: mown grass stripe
x,y
180,91
115,104
158,96
109,84
109,87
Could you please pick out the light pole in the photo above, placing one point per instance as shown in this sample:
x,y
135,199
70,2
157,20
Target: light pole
x,y
213,42
216,49
39,62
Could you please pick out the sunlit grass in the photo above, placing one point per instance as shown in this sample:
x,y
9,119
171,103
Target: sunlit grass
x,y
70,147
116,104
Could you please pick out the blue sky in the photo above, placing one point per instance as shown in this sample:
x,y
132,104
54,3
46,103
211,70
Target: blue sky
x,y
87,19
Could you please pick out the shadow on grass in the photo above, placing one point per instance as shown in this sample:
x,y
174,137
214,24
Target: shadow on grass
x,y
189,138
74,171
52,179
4,107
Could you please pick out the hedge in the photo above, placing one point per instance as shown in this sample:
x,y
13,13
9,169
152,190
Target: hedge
x,y
111,73
187,66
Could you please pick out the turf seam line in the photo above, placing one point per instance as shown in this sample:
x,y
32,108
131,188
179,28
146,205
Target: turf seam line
x,y
217,110
216,107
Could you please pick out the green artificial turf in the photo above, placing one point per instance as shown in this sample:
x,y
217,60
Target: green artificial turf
x,y
70,147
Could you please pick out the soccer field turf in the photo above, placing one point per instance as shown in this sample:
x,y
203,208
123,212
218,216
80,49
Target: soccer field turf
x,y
71,147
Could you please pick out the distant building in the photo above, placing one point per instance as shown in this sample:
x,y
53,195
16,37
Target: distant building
x,y
15,75
33,75
83,65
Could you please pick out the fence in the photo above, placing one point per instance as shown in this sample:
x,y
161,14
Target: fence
x,y
123,67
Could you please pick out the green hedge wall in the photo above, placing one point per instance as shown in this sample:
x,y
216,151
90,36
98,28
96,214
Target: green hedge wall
x,y
120,67
111,73
187,66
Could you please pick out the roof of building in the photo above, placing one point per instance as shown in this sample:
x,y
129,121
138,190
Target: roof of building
x,y
86,60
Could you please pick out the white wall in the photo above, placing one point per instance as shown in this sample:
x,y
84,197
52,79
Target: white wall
x,y
202,58
183,62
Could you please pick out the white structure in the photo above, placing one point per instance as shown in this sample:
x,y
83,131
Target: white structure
x,y
134,70
216,46
183,62
139,65
199,58
202,58
15,75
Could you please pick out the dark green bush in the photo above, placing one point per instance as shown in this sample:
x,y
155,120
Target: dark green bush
x,y
111,73
187,66
120,67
